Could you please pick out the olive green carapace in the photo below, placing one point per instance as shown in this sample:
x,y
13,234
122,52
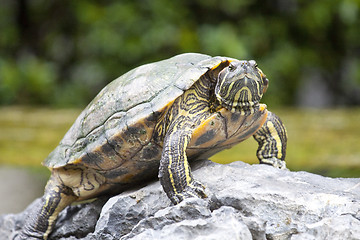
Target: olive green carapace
x,y
152,121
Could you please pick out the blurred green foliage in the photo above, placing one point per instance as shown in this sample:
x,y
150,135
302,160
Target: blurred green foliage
x,y
63,52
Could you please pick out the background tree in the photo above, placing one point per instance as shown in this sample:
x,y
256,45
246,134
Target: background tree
x,y
63,52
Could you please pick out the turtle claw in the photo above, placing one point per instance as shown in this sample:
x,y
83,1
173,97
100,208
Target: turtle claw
x,y
197,188
277,163
194,189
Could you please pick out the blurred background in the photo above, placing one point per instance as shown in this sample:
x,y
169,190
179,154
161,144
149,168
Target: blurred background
x,y
55,56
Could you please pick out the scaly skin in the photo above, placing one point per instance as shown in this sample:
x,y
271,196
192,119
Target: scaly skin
x,y
187,113
272,139
40,222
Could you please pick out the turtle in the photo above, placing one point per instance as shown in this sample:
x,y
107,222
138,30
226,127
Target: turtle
x,y
153,121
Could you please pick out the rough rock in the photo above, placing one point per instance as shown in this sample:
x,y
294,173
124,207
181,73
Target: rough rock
x,y
245,202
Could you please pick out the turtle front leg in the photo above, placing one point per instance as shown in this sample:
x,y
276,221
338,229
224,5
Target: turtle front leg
x,y
272,139
175,173
41,220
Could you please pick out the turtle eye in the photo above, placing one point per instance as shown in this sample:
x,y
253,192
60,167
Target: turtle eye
x,y
231,67
265,81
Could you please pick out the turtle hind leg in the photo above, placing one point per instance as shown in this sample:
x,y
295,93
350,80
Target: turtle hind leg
x,y
42,217
272,140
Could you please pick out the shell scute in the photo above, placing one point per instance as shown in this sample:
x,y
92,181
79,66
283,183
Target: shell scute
x,y
120,120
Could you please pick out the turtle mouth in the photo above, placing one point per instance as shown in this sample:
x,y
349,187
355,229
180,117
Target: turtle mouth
x,y
240,106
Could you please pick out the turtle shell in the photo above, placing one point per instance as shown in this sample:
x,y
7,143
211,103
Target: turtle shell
x,y
132,98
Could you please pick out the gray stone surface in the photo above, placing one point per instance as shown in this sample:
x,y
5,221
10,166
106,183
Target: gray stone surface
x,y
245,202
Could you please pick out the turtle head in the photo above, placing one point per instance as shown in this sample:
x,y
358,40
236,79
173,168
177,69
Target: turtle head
x,y
240,85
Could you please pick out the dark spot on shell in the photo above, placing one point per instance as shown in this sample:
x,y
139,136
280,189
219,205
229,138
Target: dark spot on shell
x,y
132,131
116,143
153,117
107,149
91,159
150,151
209,135
115,173
86,159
